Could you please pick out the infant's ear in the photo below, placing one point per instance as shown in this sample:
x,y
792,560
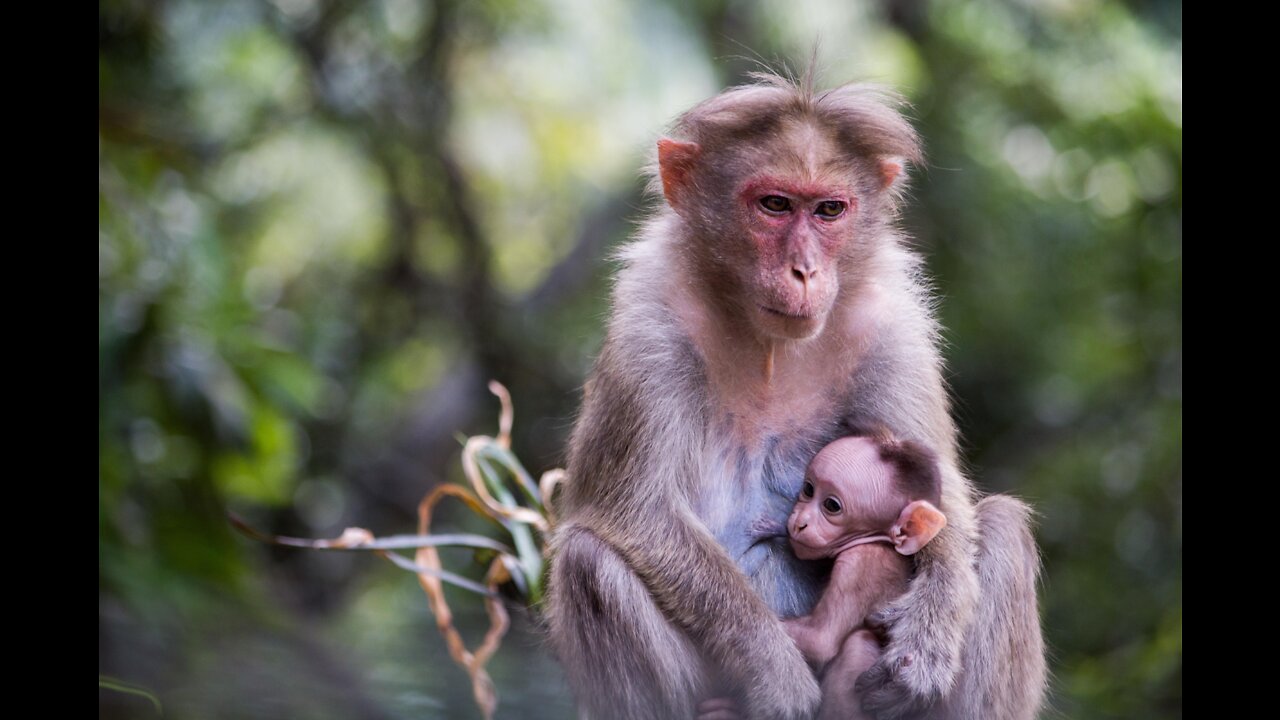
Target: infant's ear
x,y
916,526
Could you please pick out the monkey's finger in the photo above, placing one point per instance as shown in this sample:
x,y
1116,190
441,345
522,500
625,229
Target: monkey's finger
x,y
719,703
881,623
721,708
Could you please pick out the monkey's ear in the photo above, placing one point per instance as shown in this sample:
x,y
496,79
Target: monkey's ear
x,y
676,161
890,170
919,522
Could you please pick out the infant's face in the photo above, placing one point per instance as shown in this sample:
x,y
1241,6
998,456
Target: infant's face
x,y
839,498
813,524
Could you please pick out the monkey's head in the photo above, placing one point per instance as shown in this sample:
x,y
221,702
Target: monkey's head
x,y
784,194
867,489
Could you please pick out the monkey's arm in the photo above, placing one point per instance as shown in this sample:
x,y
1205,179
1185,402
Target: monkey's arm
x,y
840,699
632,472
926,630
902,389
817,642
702,592
864,577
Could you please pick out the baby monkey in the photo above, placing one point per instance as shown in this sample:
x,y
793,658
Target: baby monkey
x,y
870,503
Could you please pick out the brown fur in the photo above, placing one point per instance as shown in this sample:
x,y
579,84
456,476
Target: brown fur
x,y
916,469
669,570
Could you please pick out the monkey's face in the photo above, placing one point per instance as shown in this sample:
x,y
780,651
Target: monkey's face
x,y
843,499
817,521
797,210
780,220
796,226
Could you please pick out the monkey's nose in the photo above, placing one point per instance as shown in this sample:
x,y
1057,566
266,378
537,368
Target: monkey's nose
x,y
803,273
801,526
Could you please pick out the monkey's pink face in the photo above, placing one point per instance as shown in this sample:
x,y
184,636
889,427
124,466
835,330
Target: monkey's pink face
x,y
819,520
797,229
847,494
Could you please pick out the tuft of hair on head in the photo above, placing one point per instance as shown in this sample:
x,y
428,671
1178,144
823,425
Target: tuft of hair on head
x,y
916,469
865,120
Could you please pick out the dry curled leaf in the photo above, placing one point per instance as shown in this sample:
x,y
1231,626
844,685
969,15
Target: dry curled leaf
x,y
490,497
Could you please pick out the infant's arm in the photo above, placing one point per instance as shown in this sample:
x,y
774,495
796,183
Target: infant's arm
x,y
864,579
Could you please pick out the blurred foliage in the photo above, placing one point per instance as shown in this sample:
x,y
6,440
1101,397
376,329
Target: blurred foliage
x,y
323,226
501,491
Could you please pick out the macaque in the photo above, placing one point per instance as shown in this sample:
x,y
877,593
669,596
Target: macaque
x,y
768,306
870,503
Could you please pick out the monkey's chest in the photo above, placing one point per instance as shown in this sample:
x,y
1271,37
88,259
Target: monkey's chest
x,y
748,492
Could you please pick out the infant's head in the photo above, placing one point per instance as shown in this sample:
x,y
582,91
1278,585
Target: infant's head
x,y
867,489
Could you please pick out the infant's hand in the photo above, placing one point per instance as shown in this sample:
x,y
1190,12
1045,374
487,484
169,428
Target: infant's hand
x,y
721,708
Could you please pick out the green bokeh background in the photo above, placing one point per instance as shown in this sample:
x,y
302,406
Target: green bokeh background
x,y
323,226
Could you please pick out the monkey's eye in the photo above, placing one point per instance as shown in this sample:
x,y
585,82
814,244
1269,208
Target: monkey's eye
x,y
775,203
831,505
829,209
807,490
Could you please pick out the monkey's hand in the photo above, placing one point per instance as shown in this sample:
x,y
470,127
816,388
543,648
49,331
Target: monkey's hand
x,y
924,631
785,689
896,686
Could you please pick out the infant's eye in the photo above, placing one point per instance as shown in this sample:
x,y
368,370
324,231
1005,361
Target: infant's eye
x,y
775,203
807,490
831,505
829,209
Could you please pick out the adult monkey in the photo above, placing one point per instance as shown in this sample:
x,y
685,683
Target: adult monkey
x,y
769,307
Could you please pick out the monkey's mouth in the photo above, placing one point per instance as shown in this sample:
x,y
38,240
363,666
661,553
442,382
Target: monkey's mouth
x,y
789,316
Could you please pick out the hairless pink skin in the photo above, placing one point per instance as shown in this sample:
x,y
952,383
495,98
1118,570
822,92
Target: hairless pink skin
x,y
847,492
792,247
